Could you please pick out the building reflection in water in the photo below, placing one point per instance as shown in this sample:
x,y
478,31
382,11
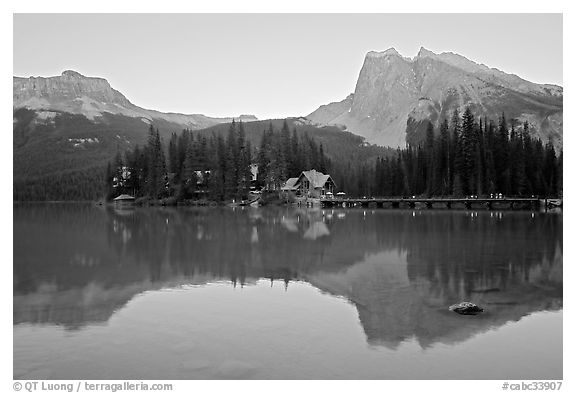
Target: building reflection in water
x,y
75,265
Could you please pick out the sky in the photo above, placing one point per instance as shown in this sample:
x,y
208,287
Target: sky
x,y
268,65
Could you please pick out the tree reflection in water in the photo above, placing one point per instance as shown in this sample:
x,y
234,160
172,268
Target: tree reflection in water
x,y
75,265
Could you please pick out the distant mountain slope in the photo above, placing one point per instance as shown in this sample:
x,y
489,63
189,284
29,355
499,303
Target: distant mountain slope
x,y
72,150
66,128
396,97
92,97
341,146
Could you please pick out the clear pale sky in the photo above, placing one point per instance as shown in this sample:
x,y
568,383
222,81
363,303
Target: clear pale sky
x,y
269,65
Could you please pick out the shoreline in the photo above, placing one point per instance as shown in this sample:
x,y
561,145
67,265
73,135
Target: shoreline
x,y
318,206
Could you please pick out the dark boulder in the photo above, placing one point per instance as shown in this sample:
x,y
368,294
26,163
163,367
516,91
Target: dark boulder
x,y
466,308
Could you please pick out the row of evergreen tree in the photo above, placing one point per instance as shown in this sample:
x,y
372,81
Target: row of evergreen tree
x,y
469,156
465,156
216,167
75,185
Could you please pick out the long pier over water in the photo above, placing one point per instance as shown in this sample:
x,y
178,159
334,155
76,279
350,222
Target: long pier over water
x,y
447,203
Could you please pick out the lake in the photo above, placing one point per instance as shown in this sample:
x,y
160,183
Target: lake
x,y
285,293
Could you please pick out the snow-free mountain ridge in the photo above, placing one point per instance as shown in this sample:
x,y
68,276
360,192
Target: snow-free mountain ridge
x,y
75,93
396,97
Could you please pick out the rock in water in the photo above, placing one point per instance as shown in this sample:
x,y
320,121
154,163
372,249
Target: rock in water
x,y
466,308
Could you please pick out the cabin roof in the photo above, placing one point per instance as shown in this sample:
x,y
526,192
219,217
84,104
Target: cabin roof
x,y
124,197
316,179
290,184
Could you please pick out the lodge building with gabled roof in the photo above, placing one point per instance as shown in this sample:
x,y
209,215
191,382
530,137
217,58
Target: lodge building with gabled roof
x,y
311,184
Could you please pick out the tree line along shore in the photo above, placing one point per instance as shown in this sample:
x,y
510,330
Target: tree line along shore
x,y
465,156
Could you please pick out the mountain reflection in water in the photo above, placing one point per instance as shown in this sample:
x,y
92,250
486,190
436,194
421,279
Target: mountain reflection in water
x,y
76,265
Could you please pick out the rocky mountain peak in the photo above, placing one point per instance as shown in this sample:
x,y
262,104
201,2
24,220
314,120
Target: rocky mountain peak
x,y
423,52
396,97
72,92
387,52
72,74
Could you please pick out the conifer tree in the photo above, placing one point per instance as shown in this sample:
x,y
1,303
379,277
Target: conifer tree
x,y
156,165
442,161
430,180
295,154
468,153
263,159
458,159
550,169
109,182
501,157
244,160
118,173
173,155
189,177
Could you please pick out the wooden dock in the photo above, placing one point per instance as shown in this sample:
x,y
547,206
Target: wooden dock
x,y
431,203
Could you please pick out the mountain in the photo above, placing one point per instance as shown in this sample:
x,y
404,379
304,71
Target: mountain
x,y
396,97
340,146
67,128
92,97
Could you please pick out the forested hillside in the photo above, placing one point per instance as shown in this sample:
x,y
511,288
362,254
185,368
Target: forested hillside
x,y
64,157
467,156
215,163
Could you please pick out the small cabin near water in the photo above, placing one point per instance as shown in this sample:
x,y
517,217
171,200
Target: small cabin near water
x,y
124,200
311,184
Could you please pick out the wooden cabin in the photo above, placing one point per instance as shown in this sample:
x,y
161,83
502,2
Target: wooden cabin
x,y
124,200
311,184
290,188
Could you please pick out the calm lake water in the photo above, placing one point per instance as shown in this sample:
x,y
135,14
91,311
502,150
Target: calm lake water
x,y
264,293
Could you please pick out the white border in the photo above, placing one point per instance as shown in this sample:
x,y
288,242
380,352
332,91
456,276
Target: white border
x,y
301,6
